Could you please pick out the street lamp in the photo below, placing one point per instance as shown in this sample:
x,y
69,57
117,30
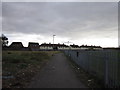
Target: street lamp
x,y
53,41
53,38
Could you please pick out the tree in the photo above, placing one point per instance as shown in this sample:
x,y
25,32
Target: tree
x,y
4,40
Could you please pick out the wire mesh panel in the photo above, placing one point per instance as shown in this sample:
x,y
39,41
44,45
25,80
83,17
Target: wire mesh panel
x,y
104,64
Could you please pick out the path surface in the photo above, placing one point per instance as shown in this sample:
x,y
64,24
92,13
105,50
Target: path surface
x,y
56,74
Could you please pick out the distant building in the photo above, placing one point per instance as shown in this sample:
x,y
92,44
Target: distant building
x,y
49,46
62,47
74,47
32,46
45,46
16,46
85,47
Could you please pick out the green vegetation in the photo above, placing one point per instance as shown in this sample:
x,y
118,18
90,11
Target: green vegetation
x,y
19,66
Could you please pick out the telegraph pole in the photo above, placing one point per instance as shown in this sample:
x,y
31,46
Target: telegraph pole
x,y
68,43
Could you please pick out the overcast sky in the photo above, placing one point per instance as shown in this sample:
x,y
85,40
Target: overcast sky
x,y
91,23
60,0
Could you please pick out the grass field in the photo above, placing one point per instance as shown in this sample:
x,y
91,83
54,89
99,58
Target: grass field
x,y
19,66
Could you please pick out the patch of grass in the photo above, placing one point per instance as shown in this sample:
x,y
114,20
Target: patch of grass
x,y
22,65
23,56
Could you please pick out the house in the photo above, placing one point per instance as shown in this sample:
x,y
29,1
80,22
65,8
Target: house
x,y
33,46
62,47
85,47
45,46
16,46
50,46
74,47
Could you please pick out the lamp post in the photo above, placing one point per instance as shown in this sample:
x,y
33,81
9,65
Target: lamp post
x,y
53,38
68,43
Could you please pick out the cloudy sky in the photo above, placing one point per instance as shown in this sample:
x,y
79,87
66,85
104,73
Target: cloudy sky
x,y
91,23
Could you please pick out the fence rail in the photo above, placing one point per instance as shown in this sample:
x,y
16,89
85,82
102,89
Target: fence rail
x,y
104,64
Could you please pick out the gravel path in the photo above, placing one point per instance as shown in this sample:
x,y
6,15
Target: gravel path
x,y
56,74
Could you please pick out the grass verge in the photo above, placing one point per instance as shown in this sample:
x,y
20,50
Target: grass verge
x,y
18,67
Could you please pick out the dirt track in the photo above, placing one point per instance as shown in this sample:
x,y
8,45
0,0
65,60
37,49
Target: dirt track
x,y
56,74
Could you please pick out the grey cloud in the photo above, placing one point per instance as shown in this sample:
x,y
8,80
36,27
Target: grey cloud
x,y
0,17
60,0
73,20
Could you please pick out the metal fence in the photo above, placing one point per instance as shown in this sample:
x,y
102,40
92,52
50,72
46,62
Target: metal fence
x,y
104,64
